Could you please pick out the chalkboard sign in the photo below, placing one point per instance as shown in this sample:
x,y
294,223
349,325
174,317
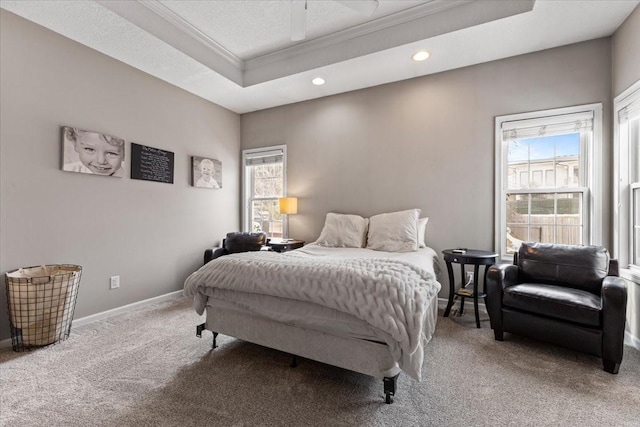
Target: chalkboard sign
x,y
151,164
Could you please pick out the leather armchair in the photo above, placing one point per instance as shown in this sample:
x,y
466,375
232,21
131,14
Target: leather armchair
x,y
236,242
568,295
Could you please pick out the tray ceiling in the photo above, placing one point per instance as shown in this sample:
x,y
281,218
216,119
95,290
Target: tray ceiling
x,y
238,54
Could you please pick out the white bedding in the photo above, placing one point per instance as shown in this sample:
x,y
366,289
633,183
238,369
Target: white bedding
x,y
390,297
292,312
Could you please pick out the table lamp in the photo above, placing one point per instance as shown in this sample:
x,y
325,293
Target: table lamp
x,y
288,206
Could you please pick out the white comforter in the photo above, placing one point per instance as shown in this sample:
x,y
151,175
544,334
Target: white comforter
x,y
390,295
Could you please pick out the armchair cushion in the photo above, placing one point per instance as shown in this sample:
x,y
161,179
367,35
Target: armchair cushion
x,y
572,305
213,253
244,242
576,266
236,242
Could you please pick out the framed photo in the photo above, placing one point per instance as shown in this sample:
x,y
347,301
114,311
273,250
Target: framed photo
x,y
91,152
206,173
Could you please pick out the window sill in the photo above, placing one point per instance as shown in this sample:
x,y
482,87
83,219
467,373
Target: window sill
x,y
631,275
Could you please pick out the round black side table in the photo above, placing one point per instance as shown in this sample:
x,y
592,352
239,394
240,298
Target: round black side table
x,y
473,257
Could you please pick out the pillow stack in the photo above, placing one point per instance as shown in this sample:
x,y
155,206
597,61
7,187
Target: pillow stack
x,y
402,231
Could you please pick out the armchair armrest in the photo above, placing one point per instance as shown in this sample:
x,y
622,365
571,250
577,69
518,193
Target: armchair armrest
x,y
499,277
614,313
613,268
213,253
502,276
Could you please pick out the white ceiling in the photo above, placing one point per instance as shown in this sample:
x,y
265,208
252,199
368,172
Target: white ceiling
x,y
249,29
238,53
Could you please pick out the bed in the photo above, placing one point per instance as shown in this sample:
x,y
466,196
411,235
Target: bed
x,y
358,308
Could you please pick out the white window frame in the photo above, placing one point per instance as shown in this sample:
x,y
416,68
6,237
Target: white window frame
x,y
247,199
624,168
589,166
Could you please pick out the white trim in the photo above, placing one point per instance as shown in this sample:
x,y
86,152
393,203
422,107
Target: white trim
x,y
245,199
112,312
627,92
550,113
125,308
186,27
550,190
619,226
631,275
452,15
500,207
631,340
171,29
592,216
595,178
399,18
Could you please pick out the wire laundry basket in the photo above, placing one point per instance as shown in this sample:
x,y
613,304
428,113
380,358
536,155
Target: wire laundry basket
x,y
41,302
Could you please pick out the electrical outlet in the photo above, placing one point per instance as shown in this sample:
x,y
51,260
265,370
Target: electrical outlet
x,y
115,282
469,278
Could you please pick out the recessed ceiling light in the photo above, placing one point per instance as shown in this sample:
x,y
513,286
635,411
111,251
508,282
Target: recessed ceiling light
x,y
318,81
421,55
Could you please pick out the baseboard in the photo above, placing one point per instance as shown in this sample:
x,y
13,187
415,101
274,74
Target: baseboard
x,y
112,312
442,303
631,340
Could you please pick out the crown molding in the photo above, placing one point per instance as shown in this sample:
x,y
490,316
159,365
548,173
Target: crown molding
x,y
403,28
194,32
161,22
395,19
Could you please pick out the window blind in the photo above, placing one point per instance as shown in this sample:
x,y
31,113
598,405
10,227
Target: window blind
x,y
538,127
267,157
630,112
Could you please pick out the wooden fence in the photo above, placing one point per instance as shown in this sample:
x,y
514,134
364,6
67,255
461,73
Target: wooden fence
x,y
546,228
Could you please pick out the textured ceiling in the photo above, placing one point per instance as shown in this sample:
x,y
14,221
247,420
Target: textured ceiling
x,y
263,26
222,55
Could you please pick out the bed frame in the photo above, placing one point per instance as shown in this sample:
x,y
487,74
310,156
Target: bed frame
x,y
363,356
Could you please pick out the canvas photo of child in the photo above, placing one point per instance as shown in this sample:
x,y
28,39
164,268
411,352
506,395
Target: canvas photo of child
x,y
206,173
92,152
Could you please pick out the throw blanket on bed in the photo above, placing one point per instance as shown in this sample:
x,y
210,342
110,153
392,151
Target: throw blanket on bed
x,y
390,295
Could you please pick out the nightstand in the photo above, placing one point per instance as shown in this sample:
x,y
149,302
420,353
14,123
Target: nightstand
x,y
472,257
278,245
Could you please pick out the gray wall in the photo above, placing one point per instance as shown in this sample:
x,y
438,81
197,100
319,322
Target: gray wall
x,y
626,71
626,53
427,142
151,234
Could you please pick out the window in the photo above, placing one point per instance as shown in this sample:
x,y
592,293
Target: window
x,y
545,177
550,178
627,171
264,181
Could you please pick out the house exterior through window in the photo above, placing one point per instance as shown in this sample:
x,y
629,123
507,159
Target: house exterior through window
x,y
545,177
627,174
264,181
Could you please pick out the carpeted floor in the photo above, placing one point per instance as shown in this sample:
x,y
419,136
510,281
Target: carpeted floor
x,y
147,368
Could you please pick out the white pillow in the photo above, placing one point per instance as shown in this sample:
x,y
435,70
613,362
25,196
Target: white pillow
x,y
343,231
394,232
422,230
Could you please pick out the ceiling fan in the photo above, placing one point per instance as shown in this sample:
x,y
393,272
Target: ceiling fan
x,y
299,14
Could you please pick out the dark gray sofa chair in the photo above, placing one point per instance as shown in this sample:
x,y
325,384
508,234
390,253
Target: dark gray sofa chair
x,y
236,242
568,295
